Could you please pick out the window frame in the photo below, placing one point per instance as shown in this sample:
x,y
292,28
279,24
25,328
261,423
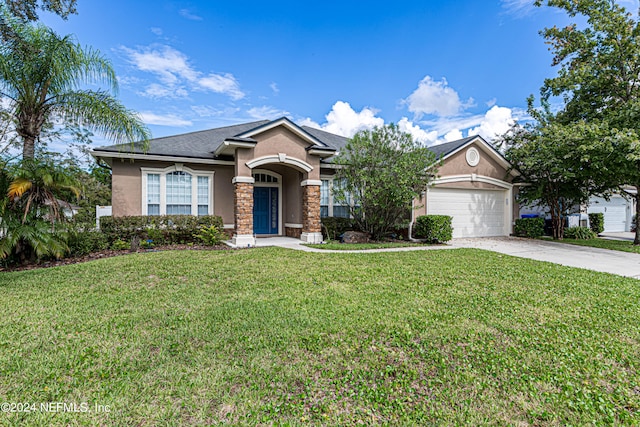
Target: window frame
x,y
163,172
331,205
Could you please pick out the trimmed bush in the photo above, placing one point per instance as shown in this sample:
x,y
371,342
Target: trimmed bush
x,y
434,228
529,227
210,236
333,227
162,230
596,222
85,242
581,233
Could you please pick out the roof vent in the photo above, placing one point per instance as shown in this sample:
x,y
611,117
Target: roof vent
x,y
472,156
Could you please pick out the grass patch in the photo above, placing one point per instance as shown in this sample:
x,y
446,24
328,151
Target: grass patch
x,y
337,246
273,336
614,245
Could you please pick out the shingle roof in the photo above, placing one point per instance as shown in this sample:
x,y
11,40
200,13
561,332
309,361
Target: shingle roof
x,y
442,150
202,144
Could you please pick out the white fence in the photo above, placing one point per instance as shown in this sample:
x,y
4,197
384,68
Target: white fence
x,y
102,211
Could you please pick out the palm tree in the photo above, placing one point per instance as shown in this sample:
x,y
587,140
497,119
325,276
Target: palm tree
x,y
43,74
32,219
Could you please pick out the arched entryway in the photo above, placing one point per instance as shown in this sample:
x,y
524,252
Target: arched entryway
x,y
267,203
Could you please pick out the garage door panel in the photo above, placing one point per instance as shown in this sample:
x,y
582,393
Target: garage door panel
x,y
614,210
475,213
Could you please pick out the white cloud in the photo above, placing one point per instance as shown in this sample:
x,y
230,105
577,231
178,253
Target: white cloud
x,y
208,111
186,13
266,112
417,132
174,71
222,83
518,7
435,98
496,122
164,120
274,88
156,90
156,30
344,120
453,135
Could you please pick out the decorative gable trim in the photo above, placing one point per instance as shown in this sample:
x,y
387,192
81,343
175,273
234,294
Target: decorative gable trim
x,y
288,124
486,148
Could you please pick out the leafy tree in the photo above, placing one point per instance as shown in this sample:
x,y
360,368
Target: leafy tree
x,y
562,165
383,170
27,10
599,77
41,74
32,216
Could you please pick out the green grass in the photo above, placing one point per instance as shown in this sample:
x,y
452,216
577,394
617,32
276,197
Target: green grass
x,y
615,245
277,337
337,246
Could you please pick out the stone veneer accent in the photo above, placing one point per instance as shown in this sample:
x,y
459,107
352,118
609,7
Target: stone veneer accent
x,y
311,209
243,208
293,232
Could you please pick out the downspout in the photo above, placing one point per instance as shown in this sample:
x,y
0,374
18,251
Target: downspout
x,y
410,236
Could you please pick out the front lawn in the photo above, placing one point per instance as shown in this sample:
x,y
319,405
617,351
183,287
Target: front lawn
x,y
615,245
273,336
337,246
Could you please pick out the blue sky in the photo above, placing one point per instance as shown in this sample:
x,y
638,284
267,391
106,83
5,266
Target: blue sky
x,y
442,69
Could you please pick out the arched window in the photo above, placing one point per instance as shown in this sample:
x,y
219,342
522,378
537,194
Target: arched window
x,y
176,190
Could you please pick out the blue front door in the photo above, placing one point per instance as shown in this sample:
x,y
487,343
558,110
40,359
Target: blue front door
x,y
265,210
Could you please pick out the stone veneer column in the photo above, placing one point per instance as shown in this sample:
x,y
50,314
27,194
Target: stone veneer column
x,y
311,229
243,211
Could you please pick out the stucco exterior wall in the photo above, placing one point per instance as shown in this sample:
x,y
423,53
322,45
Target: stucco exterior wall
x,y
126,196
457,165
273,142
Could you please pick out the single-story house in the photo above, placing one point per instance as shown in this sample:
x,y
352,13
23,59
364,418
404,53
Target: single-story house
x,y
274,178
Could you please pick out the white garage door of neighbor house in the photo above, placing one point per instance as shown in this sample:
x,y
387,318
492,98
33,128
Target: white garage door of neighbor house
x,y
475,213
615,212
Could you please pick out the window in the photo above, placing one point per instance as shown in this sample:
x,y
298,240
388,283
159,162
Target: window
x,y
330,205
324,199
176,190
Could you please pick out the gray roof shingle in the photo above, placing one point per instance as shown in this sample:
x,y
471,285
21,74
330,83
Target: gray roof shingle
x,y
202,144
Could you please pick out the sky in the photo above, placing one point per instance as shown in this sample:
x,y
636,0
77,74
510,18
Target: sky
x,y
442,70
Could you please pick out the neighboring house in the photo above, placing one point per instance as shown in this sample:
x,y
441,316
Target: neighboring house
x,y
271,178
618,210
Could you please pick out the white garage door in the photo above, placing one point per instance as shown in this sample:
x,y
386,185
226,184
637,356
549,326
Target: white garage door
x,y
475,213
615,212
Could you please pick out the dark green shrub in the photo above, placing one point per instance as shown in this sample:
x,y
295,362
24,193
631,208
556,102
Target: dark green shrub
x,y
119,245
333,227
596,222
210,236
582,233
85,242
163,230
434,228
529,227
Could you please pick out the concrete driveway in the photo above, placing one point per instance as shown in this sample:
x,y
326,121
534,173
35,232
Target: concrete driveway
x,y
607,261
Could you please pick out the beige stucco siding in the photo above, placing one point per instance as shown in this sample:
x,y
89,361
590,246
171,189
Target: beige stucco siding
x,y
457,165
127,186
273,142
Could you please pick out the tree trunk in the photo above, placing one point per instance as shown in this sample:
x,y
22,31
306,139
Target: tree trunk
x,y
636,240
28,147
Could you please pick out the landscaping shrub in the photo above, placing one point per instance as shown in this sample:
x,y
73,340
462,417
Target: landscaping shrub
x,y
529,227
210,236
596,222
434,228
162,230
582,233
119,245
333,227
85,242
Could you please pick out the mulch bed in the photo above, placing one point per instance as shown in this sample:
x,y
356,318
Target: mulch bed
x,y
108,253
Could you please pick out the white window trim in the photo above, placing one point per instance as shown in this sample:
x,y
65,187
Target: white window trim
x,y
178,167
330,178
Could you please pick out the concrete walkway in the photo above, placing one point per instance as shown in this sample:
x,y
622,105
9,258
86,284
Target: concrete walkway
x,y
603,260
